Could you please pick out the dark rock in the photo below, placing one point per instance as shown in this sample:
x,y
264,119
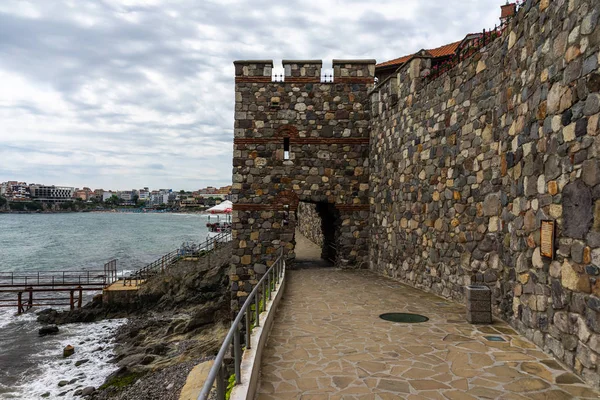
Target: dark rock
x,y
63,383
581,127
592,104
577,210
558,295
552,169
88,390
594,303
148,359
81,362
48,330
592,270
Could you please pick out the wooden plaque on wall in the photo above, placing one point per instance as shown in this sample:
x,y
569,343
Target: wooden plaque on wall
x,y
547,231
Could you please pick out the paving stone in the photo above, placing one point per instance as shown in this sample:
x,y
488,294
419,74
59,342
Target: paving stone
x,y
332,315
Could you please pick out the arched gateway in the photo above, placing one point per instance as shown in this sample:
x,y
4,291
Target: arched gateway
x,y
300,140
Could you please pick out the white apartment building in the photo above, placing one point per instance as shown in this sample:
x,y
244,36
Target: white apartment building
x,y
52,194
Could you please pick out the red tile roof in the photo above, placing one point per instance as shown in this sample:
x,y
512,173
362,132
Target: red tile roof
x,y
445,50
396,61
441,51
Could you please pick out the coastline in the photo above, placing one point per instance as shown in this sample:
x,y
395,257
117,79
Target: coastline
x,y
172,326
132,211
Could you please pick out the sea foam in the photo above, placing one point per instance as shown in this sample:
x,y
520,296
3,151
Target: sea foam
x,y
92,341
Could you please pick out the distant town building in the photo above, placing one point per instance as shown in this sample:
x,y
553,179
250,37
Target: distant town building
x,y
107,195
84,194
126,195
144,194
51,194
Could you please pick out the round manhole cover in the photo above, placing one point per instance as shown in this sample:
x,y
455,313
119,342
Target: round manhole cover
x,y
404,317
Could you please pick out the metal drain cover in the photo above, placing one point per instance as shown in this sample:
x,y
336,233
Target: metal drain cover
x,y
404,317
495,338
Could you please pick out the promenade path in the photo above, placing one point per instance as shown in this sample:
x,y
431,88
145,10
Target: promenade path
x,y
328,342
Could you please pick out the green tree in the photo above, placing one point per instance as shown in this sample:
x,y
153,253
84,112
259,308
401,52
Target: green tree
x,y
114,200
3,201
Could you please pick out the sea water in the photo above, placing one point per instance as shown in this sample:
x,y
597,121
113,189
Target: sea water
x,y
31,365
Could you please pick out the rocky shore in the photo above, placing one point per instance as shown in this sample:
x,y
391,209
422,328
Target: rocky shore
x,y
178,320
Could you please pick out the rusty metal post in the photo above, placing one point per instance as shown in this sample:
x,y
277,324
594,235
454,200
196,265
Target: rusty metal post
x,y
80,299
30,304
72,300
19,303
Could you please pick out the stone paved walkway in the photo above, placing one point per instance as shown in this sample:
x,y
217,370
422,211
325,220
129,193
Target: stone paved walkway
x,y
328,342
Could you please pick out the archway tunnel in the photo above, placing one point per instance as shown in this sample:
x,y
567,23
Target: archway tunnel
x,y
316,234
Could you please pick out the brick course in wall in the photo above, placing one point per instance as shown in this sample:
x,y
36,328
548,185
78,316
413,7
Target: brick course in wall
x,y
465,167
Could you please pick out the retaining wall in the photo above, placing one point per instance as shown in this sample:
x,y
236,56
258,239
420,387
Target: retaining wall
x,y
464,168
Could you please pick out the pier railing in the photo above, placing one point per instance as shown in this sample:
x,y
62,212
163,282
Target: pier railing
x,y
54,279
249,316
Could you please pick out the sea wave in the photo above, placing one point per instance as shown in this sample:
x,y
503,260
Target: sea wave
x,y
92,341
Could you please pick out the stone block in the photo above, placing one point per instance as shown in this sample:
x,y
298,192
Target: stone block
x,y
476,317
481,306
479,310
577,210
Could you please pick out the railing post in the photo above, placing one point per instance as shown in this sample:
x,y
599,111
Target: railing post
x,y
257,305
237,352
269,279
264,296
19,302
30,298
72,300
80,299
248,330
221,383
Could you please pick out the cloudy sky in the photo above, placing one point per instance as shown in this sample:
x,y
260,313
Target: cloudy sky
x,y
124,94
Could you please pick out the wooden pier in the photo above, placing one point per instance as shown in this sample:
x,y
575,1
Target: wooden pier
x,y
24,290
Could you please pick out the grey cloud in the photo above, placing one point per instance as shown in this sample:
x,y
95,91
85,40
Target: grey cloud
x,y
157,90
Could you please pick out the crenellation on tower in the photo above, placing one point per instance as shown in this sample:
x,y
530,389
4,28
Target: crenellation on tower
x,y
353,68
253,68
302,68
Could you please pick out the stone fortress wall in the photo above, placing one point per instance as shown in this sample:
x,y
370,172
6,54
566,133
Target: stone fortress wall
x,y
326,126
442,182
464,167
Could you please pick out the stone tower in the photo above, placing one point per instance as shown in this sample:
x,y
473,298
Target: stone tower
x,y
299,139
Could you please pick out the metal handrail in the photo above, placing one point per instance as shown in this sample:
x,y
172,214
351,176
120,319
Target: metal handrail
x,y
171,258
273,278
